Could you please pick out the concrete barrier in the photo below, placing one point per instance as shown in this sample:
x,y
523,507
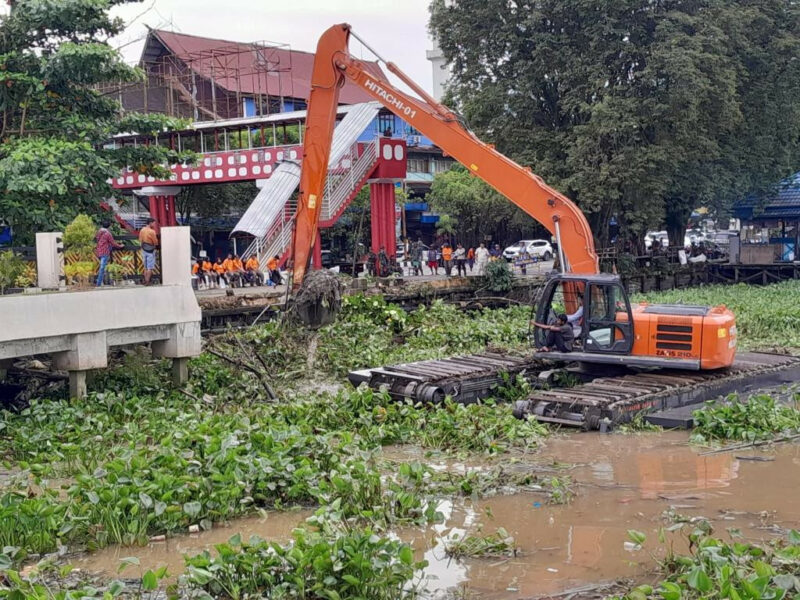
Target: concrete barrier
x,y
78,327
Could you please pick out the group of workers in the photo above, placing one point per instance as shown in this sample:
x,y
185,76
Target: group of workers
x,y
235,272
451,258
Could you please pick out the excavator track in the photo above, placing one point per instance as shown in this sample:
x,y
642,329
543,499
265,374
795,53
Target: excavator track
x,y
607,401
464,378
598,404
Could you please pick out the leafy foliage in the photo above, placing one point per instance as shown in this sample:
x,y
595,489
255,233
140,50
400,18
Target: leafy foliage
x,y
497,545
758,417
137,459
428,332
478,210
79,236
376,309
720,569
11,267
446,226
499,277
53,163
355,564
79,273
641,111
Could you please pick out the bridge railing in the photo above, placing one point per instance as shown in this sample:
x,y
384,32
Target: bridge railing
x,y
342,184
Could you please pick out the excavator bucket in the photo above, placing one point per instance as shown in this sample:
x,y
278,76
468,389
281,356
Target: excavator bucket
x,y
319,299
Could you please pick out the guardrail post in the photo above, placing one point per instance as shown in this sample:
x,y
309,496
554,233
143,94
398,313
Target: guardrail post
x,y
176,257
49,260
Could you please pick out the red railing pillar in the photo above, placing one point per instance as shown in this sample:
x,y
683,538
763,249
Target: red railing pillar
x,y
160,204
316,257
382,200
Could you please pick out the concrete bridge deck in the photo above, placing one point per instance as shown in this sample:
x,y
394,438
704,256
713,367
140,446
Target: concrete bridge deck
x,y
77,327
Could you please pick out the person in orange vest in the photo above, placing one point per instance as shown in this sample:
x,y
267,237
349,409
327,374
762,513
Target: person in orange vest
x,y
471,258
207,268
447,257
252,271
233,272
197,275
219,269
274,271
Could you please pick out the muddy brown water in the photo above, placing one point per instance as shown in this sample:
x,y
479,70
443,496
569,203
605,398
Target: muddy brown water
x,y
621,481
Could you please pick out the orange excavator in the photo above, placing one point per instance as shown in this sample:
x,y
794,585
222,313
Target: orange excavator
x,y
608,329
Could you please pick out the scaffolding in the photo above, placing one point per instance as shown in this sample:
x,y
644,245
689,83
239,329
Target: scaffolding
x,y
232,80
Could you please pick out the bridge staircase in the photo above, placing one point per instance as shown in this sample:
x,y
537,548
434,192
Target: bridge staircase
x,y
270,218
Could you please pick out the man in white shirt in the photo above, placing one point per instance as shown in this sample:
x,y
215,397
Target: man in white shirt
x,y
481,259
576,319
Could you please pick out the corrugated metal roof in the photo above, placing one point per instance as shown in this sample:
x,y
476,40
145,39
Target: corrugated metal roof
x,y
781,212
350,128
271,198
272,70
785,204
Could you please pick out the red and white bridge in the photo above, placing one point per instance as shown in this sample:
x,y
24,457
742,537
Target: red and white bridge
x,y
380,162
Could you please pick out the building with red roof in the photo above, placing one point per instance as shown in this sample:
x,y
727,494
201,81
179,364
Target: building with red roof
x,y
202,78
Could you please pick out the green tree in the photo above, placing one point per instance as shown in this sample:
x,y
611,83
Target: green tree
x,y
215,200
635,109
54,158
478,210
354,226
446,226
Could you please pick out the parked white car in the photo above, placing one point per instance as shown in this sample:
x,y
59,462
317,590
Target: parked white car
x,y
536,248
651,236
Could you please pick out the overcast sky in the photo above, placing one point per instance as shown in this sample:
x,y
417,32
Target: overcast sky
x,y
396,29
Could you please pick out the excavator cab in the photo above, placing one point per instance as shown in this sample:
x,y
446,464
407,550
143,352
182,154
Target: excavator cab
x,y
597,308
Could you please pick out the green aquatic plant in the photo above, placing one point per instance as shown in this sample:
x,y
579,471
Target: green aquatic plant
x,y
497,545
717,568
759,417
316,566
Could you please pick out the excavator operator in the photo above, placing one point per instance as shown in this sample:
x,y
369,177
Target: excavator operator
x,y
559,336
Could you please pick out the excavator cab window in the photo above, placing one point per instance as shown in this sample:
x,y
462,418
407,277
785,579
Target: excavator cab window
x,y
597,309
562,297
608,322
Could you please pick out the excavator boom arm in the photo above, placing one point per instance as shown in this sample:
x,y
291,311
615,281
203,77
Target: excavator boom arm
x,y
333,65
